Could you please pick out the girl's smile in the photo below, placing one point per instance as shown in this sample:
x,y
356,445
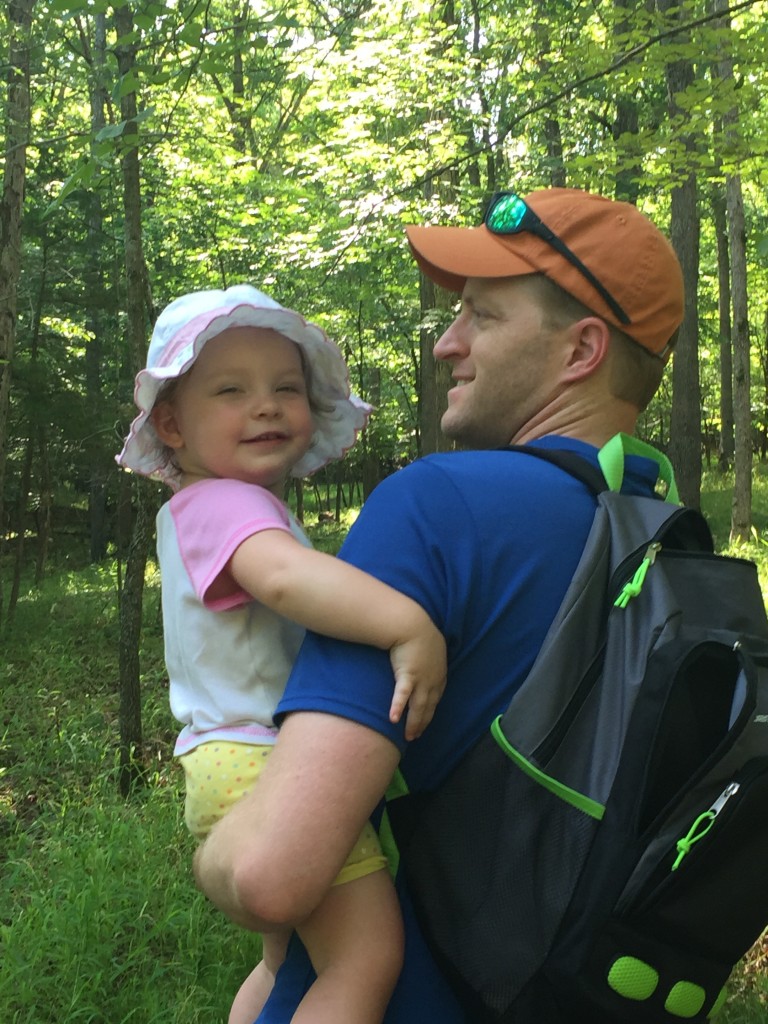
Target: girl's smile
x,y
242,411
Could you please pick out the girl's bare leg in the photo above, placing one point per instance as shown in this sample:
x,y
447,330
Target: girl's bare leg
x,y
355,942
254,992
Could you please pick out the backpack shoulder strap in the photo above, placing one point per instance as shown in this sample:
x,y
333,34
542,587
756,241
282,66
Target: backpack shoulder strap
x,y
611,458
570,462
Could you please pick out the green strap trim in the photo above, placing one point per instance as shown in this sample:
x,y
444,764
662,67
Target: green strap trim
x,y
611,459
565,793
397,786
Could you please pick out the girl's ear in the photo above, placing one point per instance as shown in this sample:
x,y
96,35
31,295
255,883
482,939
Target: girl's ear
x,y
163,417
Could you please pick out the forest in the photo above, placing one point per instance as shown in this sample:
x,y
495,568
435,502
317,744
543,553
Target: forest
x,y
149,149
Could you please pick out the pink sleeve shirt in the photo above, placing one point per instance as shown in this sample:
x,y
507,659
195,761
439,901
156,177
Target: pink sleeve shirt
x,y
227,655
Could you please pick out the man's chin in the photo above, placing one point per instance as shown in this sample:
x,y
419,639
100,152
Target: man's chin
x,y
458,432
449,427
468,436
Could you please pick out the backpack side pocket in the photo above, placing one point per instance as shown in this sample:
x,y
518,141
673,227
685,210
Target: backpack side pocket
x,y
708,892
491,895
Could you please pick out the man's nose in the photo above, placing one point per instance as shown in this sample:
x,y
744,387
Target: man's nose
x,y
448,345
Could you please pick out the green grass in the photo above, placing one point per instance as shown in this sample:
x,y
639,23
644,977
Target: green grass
x,y
716,499
100,922
99,918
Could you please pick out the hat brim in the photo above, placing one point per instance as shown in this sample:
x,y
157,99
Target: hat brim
x,y
338,415
450,255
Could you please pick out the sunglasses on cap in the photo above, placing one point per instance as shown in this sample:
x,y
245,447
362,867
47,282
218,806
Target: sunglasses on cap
x,y
508,214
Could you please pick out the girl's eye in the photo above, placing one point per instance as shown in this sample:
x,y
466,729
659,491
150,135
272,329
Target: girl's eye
x,y
229,390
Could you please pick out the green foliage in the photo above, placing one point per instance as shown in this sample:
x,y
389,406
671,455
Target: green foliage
x,y
289,147
716,497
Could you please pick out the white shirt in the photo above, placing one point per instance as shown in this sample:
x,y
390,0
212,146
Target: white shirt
x,y
228,656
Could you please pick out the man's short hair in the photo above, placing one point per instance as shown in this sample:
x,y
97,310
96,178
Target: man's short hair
x,y
635,373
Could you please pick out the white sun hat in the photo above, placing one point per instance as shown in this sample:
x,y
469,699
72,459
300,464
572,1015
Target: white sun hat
x,y
180,333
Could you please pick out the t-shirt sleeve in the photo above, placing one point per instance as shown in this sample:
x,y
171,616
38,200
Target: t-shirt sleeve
x,y
394,540
212,519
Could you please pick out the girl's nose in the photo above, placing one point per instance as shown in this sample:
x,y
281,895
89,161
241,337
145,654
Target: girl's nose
x,y
266,406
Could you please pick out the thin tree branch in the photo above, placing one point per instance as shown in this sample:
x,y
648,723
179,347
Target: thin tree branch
x,y
535,108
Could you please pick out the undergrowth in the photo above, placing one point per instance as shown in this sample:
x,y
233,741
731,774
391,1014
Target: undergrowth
x,y
100,921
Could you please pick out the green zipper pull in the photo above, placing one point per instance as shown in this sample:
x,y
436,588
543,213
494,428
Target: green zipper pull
x,y
635,585
703,824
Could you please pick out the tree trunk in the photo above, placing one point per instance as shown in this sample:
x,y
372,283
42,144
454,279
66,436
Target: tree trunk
x,y
131,595
685,421
94,276
44,505
741,512
435,376
25,481
685,424
629,171
34,431
131,603
298,486
11,208
553,139
725,443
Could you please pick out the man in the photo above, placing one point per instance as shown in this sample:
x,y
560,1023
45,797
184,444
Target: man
x,y
570,307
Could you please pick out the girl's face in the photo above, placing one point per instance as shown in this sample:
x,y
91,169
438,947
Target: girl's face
x,y
241,412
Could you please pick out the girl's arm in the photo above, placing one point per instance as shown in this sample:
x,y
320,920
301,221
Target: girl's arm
x,y
328,596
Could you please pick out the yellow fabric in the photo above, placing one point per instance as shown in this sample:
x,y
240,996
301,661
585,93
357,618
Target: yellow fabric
x,y
218,774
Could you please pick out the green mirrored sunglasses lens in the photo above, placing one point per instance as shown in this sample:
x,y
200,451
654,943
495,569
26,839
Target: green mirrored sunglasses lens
x,y
506,214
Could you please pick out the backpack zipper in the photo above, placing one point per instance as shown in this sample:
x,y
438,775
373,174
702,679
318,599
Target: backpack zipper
x,y
618,579
633,587
703,824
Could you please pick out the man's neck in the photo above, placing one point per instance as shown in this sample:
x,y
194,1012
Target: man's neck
x,y
586,423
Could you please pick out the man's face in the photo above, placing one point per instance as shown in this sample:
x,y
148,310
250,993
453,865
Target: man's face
x,y
505,363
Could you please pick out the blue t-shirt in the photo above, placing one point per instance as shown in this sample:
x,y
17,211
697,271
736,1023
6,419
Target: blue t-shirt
x,y
487,543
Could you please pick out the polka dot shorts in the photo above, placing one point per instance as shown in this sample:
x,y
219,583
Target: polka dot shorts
x,y
218,774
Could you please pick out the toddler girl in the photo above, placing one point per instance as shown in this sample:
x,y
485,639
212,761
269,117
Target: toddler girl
x,y
238,395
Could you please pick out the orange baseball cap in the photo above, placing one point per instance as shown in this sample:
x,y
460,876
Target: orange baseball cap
x,y
620,248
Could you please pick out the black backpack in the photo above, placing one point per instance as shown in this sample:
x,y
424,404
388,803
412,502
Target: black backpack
x,y
601,854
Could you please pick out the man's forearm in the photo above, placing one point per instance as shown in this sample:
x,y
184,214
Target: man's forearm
x,y
270,861
212,867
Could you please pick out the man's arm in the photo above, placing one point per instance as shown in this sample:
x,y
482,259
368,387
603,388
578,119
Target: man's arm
x,y
270,860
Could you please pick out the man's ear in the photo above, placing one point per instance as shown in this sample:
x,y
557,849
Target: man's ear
x,y
163,417
590,341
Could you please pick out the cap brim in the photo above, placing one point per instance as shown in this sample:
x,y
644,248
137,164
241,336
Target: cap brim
x,y
449,255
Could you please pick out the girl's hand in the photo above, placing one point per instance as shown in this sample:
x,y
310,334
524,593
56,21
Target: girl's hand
x,y
419,664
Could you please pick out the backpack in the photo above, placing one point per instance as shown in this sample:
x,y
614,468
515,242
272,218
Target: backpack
x,y
600,854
